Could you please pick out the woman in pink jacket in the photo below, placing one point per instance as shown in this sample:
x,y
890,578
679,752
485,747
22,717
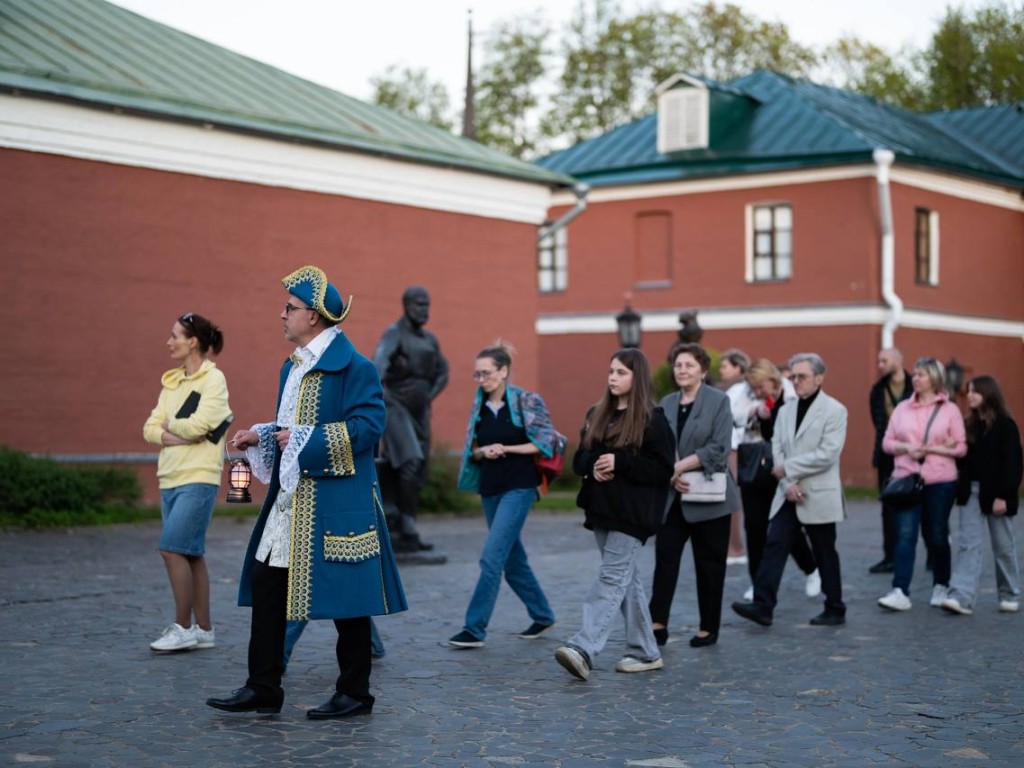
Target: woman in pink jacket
x,y
932,452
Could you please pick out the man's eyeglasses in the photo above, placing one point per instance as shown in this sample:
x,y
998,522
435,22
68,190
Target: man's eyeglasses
x,y
801,376
481,375
289,308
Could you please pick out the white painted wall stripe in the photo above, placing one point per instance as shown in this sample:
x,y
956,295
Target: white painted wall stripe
x,y
39,125
783,317
934,181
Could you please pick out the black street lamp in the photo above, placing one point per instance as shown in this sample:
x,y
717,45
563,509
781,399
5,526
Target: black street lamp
x,y
954,376
628,321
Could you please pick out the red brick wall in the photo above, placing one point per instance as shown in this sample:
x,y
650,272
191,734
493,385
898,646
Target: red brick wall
x,y
100,259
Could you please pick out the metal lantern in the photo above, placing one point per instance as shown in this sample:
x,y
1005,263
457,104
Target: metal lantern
x,y
629,327
240,478
954,376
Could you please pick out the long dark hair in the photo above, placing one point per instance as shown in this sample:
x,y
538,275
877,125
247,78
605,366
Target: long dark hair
x,y
628,430
206,333
993,406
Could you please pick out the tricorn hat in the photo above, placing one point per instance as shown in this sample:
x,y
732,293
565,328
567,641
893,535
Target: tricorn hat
x,y
310,284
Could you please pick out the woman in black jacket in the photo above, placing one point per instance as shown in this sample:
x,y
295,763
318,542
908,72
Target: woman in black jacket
x,y
625,458
989,479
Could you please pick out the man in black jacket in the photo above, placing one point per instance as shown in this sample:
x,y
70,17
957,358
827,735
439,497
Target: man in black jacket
x,y
892,388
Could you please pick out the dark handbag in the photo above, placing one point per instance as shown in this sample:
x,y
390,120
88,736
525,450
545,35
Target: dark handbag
x,y
754,464
902,493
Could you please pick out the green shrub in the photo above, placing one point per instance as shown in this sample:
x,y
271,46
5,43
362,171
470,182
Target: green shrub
x,y
40,492
441,493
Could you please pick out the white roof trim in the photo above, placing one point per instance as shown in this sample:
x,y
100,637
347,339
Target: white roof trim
x,y
39,125
946,184
783,317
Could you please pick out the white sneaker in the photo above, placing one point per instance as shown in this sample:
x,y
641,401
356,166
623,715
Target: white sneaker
x,y
896,600
204,638
632,664
748,595
812,587
953,605
174,638
1009,606
940,593
736,560
575,661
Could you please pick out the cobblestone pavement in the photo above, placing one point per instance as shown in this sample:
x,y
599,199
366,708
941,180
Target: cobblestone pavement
x,y
78,609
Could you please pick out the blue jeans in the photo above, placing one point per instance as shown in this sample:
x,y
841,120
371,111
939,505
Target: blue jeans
x,y
504,552
932,512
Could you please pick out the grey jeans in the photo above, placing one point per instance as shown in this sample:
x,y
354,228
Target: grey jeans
x,y
963,585
618,589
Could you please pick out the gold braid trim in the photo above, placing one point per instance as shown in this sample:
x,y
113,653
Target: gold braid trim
x,y
308,407
380,566
300,562
354,548
339,449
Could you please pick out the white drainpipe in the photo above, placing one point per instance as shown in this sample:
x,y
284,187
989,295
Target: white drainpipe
x,y
883,160
580,190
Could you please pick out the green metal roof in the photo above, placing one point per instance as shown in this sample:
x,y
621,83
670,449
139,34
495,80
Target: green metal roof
x,y
94,52
790,124
997,132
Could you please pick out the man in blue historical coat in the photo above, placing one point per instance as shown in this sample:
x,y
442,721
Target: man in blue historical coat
x,y
320,548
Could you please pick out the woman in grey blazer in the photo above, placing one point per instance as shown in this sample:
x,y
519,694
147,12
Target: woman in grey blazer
x,y
701,422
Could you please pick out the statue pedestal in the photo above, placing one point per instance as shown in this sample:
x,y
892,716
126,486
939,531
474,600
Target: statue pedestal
x,y
408,549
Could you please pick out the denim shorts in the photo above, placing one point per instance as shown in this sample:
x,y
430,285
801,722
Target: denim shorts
x,y
186,511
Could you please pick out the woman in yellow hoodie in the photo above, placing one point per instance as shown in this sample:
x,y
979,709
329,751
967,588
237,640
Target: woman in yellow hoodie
x,y
189,422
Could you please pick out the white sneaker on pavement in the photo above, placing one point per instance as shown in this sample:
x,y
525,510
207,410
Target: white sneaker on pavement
x,y
633,664
204,638
896,600
1009,606
812,587
939,594
953,605
174,638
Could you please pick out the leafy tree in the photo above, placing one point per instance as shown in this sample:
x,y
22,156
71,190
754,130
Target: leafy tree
x,y
977,61
613,62
410,92
857,65
508,84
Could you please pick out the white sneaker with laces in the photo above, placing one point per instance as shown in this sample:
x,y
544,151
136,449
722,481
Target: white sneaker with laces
x,y
204,638
174,638
748,595
940,592
632,664
953,605
812,587
896,600
1009,606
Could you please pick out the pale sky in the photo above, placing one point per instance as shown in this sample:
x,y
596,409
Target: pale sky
x,y
343,43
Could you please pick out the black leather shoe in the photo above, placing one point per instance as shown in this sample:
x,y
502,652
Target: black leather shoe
x,y
661,635
700,642
750,612
826,619
246,700
882,566
340,705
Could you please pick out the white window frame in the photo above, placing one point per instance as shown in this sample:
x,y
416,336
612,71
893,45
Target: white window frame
x,y
749,269
683,115
553,260
933,247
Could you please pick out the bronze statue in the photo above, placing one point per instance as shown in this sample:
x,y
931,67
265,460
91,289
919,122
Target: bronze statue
x,y
413,372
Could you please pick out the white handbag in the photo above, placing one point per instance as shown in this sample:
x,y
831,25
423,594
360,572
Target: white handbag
x,y
704,489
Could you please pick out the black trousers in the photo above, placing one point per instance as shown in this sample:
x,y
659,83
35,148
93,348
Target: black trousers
x,y
710,549
266,640
757,506
785,527
885,467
